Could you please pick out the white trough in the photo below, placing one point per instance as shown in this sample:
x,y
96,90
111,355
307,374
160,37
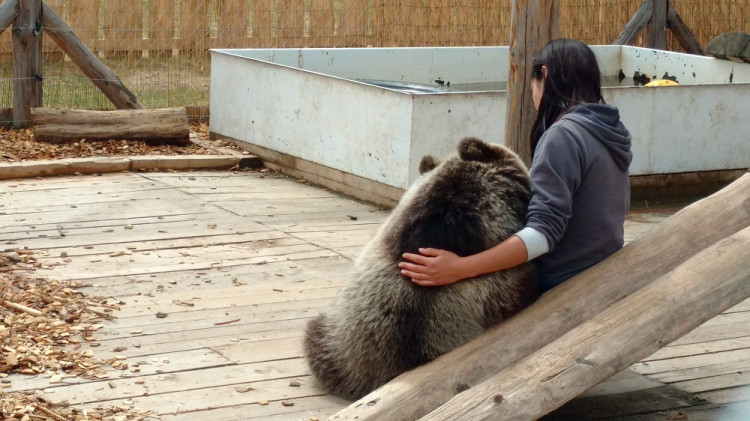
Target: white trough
x,y
359,120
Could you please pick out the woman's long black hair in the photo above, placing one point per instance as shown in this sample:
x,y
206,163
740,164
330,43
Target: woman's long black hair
x,y
572,78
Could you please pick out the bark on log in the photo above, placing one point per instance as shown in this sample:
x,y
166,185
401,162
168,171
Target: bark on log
x,y
154,126
420,391
532,25
8,11
632,329
101,75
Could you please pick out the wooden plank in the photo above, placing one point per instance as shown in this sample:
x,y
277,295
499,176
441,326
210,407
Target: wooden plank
x,y
232,23
674,351
720,368
194,25
322,22
161,31
176,382
653,367
306,408
152,365
123,28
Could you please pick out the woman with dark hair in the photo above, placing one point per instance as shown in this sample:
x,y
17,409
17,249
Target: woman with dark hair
x,y
579,180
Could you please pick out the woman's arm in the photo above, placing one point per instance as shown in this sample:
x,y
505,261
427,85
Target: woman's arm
x,y
434,267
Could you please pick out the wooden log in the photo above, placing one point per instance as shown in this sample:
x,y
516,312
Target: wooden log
x,y
27,61
101,75
636,24
418,392
154,126
705,285
8,11
533,23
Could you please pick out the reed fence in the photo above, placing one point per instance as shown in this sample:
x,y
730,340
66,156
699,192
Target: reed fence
x,y
159,48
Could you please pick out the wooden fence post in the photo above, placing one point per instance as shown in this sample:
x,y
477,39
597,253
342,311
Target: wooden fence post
x,y
658,33
27,62
533,23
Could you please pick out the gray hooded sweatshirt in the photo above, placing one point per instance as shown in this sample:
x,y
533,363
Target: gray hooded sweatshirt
x,y
580,191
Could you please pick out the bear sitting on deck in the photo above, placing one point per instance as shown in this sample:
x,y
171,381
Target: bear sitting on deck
x,y
382,324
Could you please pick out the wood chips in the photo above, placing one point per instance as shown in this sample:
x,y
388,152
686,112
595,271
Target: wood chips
x,y
43,327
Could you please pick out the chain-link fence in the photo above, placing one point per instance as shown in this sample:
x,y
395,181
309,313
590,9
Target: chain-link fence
x,y
159,48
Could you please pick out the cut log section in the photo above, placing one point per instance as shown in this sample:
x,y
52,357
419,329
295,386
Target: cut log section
x,y
637,326
153,126
418,392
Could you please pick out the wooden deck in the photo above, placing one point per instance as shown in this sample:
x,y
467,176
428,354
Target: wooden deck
x,y
236,263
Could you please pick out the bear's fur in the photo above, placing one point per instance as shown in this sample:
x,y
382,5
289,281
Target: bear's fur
x,y
382,324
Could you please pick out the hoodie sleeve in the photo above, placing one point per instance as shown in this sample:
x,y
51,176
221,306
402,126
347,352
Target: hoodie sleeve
x,y
556,173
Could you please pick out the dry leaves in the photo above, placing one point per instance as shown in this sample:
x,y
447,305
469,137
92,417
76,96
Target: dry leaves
x,y
20,146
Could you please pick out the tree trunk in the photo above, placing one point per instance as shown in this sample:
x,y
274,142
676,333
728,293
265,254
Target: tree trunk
x,y
154,126
418,392
632,329
533,24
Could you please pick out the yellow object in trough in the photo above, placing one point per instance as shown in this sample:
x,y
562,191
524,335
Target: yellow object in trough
x,y
661,82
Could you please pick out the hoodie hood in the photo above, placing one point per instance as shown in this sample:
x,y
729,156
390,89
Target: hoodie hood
x,y
603,122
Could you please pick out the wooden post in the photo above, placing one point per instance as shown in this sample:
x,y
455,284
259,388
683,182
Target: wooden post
x,y
533,23
419,391
636,24
630,330
27,61
101,75
8,12
659,24
682,33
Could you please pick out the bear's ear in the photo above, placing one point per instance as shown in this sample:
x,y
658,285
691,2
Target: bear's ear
x,y
473,149
428,163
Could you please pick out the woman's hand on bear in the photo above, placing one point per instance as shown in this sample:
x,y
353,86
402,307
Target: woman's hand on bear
x,y
432,267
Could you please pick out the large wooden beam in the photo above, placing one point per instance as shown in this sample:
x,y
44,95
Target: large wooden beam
x,y
154,126
533,23
632,329
101,75
8,12
27,61
682,33
636,24
658,33
418,392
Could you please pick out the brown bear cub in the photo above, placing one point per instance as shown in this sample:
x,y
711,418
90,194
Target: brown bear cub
x,y
382,324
